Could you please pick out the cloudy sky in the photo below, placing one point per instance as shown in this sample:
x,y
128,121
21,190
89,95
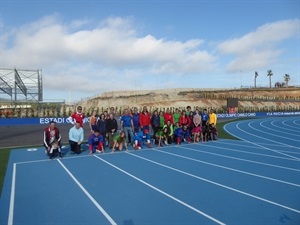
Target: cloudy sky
x,y
86,47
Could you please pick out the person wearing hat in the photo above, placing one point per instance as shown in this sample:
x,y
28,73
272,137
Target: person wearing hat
x,y
95,142
77,116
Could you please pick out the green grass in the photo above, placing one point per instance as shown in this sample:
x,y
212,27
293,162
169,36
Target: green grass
x,y
222,133
4,155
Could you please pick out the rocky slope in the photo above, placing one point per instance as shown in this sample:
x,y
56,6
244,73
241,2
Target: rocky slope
x,y
249,99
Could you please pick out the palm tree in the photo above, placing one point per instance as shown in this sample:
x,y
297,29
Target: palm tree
x,y
270,74
255,76
286,78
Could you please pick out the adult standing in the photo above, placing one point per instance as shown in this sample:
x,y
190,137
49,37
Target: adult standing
x,y
101,126
204,117
212,118
168,116
93,121
76,135
127,125
145,119
112,128
136,119
77,116
155,123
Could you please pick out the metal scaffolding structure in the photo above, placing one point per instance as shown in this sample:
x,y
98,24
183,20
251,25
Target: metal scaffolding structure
x,y
20,85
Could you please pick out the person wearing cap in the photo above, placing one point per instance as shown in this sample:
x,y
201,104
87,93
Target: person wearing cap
x,y
95,142
77,116
76,135
51,133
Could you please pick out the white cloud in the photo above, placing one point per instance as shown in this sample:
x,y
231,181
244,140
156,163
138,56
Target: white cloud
x,y
258,49
114,56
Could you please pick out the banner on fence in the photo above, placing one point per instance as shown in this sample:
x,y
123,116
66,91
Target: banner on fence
x,y
63,120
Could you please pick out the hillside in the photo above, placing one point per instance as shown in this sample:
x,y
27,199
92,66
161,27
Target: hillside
x,y
249,99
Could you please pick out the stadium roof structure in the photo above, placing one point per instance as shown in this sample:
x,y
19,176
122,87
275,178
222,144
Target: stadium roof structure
x,y
20,85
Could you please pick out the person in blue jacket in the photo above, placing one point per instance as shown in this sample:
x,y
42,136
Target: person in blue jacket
x,y
139,138
182,134
95,142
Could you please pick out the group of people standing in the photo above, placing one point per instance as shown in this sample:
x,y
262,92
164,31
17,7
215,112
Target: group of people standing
x,y
115,131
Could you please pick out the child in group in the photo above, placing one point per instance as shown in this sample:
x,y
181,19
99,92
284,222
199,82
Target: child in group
x,y
204,133
120,142
95,142
162,135
55,149
170,132
176,126
139,137
137,140
213,132
182,134
197,133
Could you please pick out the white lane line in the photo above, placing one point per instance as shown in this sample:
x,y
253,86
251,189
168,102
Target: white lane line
x,y
245,160
291,129
251,153
229,168
162,192
272,134
218,184
281,131
281,144
12,196
89,195
217,143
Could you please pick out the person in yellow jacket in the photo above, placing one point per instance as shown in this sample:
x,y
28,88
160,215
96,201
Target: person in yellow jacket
x,y
212,118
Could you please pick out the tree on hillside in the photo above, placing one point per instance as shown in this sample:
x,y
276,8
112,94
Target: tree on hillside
x,y
270,74
255,76
286,78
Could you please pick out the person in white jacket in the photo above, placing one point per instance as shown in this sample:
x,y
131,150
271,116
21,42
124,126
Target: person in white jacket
x,y
76,135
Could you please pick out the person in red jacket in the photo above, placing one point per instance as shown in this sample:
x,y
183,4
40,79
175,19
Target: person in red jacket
x,y
184,119
51,133
145,119
77,116
168,116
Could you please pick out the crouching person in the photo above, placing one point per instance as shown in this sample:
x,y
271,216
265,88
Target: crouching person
x,y
55,149
120,142
182,134
76,137
138,140
95,142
